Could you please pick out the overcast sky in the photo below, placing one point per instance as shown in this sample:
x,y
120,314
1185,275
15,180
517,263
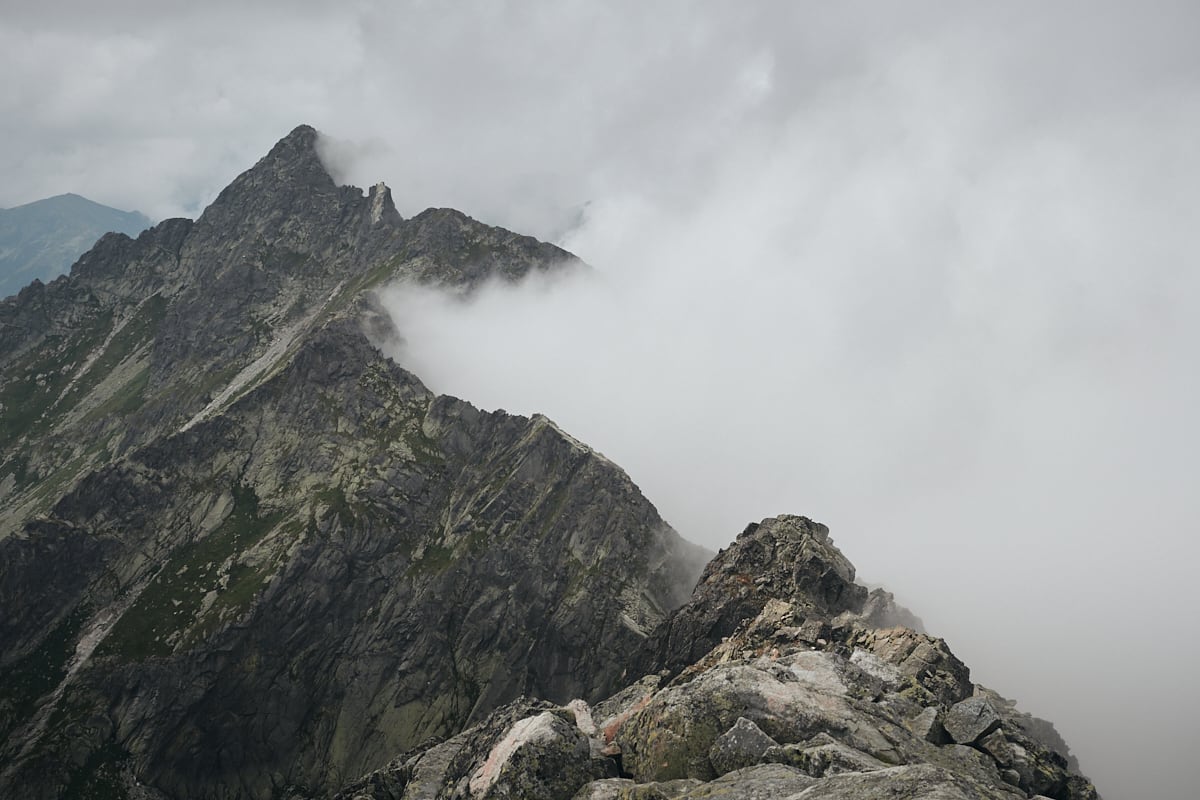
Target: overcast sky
x,y
927,275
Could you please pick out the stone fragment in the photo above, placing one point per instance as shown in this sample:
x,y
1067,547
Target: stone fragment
x,y
889,676
970,720
823,755
660,790
583,716
429,772
913,781
997,746
612,713
760,782
923,658
928,726
814,631
741,746
882,611
626,789
606,789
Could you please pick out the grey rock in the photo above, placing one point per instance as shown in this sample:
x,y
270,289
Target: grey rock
x,y
791,699
939,676
919,780
429,772
604,789
969,762
743,745
660,790
787,558
626,789
970,720
759,782
890,678
540,758
824,755
814,631
998,747
610,715
611,788
928,726
882,611
1011,776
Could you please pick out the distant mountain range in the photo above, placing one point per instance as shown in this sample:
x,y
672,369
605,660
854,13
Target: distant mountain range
x,y
44,238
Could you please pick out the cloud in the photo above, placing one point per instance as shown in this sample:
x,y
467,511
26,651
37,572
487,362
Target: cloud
x,y
925,272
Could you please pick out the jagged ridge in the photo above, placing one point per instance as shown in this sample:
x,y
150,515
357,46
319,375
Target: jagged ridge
x,y
282,559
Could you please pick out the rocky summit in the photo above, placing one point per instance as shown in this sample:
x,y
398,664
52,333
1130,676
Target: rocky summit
x,y
243,554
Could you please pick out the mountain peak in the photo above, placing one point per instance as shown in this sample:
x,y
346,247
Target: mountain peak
x,y
294,162
290,182
301,144
291,165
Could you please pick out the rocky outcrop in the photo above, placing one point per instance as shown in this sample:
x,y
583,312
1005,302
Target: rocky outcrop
x,y
788,722
789,558
789,705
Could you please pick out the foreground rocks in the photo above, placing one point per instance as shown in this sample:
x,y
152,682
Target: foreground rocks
x,y
792,704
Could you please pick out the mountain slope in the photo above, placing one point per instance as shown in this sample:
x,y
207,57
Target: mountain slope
x,y
247,551
42,239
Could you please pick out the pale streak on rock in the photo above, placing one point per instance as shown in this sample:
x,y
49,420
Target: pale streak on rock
x,y
529,731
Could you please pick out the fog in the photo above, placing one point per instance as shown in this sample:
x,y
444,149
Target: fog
x,y
926,273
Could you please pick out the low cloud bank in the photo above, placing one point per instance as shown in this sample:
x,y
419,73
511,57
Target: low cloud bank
x,y
973,360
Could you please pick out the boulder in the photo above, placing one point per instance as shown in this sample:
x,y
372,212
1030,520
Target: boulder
x,y
741,746
970,720
928,726
760,782
788,558
625,789
542,757
915,781
604,789
823,755
427,773
939,676
790,699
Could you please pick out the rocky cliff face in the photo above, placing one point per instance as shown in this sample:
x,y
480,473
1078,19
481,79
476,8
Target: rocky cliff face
x,y
247,551
244,555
